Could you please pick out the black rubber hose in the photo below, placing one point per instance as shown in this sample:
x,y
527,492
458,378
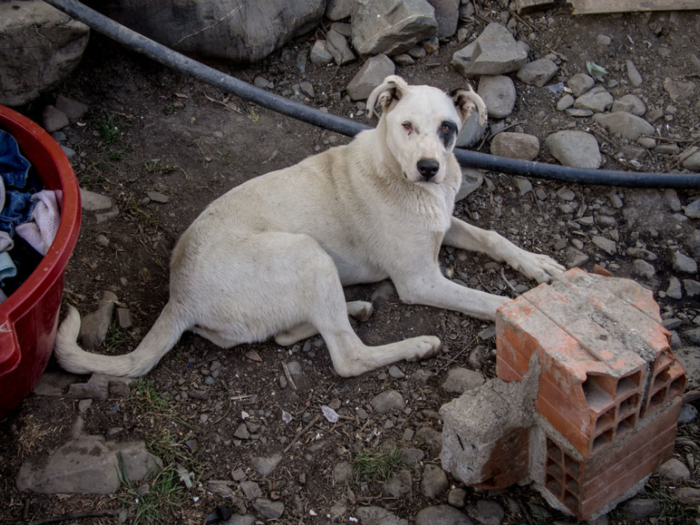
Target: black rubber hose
x,y
229,84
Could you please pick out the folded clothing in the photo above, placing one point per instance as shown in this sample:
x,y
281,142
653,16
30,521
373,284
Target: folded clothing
x,y
7,267
41,230
14,168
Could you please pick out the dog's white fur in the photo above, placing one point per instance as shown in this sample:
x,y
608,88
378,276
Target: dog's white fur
x,y
271,256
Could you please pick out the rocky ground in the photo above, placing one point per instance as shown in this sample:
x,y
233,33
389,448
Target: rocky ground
x,y
244,429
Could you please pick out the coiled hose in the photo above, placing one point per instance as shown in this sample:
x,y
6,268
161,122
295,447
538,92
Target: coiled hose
x,y
229,84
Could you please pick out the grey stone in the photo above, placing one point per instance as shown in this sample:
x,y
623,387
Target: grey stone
x,y
319,54
242,432
683,263
471,181
679,91
378,516
302,381
446,16
457,497
515,146
391,27
94,326
87,465
674,288
565,102
266,466
605,244
239,519
97,388
690,158
524,187
417,52
538,73
250,489
459,380
434,482
387,401
158,197
400,485
342,472
84,405
107,216
692,210
442,515
39,47
404,60
54,119
124,318
396,373
603,40
340,9
688,414
498,93
431,440
626,125
486,512
578,112
580,83
692,288
643,269
574,148
494,32
430,45
338,46
633,74
370,75
54,383
693,335
630,104
269,509
478,356
496,58
307,89
220,31
597,100
411,456
640,508
688,496
674,470
71,108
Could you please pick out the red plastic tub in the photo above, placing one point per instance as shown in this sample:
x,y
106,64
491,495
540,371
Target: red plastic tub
x,y
29,317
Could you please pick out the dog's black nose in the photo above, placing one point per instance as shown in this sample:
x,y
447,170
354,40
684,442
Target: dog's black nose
x,y
428,168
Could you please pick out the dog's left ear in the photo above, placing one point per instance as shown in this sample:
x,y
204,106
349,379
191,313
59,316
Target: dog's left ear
x,y
390,91
467,102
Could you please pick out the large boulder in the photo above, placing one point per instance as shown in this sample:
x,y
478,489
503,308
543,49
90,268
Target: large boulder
x,y
391,26
39,47
227,30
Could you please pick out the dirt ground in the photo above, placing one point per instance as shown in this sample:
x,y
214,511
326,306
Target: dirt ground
x,y
152,129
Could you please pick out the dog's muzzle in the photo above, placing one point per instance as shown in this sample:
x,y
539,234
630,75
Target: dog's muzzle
x,y
428,168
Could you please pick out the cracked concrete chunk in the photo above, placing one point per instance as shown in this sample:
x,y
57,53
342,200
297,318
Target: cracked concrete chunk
x,y
87,465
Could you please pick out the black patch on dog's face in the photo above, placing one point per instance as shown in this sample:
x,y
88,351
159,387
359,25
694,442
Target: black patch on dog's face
x,y
447,133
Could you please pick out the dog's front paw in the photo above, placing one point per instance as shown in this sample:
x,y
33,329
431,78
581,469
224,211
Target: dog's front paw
x,y
427,346
539,267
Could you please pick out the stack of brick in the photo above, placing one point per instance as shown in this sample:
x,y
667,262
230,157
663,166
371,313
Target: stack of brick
x,y
608,396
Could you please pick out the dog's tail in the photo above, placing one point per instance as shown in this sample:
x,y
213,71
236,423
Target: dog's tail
x,y
164,334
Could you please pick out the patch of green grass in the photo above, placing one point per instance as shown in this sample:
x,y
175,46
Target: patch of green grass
x,y
117,154
169,110
116,339
376,465
152,166
146,398
110,129
159,503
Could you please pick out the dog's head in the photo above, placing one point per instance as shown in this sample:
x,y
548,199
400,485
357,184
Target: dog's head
x,y
422,124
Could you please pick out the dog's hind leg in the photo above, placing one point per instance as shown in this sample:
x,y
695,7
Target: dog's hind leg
x,y
358,310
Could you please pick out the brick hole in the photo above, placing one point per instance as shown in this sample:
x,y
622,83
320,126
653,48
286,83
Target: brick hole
x,y
573,467
662,378
663,361
677,386
553,486
625,426
555,470
657,400
629,405
553,451
596,396
571,502
572,485
628,384
602,441
605,420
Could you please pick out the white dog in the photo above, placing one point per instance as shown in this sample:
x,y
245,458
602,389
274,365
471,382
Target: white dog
x,y
271,256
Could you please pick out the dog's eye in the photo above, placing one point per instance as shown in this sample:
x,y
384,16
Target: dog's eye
x,y
407,126
445,128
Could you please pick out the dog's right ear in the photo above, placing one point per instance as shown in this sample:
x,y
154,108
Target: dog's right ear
x,y
392,89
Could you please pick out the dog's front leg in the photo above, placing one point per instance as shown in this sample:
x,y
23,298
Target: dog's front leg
x,y
540,267
431,288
